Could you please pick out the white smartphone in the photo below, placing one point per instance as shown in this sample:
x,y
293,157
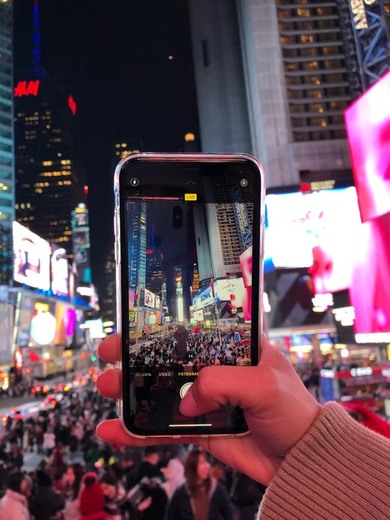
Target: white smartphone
x,y
188,245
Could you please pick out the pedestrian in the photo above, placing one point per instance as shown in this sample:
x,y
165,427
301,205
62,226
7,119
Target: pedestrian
x,y
49,441
114,495
201,496
173,471
246,495
45,501
91,505
14,504
72,487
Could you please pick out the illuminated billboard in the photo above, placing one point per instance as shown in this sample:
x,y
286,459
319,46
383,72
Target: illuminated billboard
x,y
43,323
149,298
81,242
368,128
59,271
65,324
322,231
31,258
318,230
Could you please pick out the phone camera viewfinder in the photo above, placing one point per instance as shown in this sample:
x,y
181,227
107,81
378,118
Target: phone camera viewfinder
x,y
244,183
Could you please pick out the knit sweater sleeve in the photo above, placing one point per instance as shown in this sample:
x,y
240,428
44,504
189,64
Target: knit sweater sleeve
x,y
338,469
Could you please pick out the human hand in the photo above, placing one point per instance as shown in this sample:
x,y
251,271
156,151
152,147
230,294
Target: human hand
x,y
278,410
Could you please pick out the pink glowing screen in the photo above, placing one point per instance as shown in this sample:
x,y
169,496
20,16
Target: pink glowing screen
x,y
368,128
323,231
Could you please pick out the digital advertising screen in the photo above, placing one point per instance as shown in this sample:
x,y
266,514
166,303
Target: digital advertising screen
x,y
31,258
318,230
66,321
43,323
323,232
59,272
24,320
368,129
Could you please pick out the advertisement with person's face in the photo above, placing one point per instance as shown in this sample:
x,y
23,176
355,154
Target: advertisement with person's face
x,y
368,128
31,258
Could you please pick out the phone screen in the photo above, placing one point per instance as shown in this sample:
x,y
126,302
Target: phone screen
x,y
190,282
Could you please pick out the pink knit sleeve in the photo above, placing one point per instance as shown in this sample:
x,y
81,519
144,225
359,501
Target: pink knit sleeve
x,y
338,470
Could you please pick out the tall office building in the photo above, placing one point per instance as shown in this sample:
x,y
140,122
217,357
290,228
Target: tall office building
x,y
273,79
7,180
49,182
136,223
155,277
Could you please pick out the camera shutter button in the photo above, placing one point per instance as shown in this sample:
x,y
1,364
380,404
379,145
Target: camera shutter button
x,y
184,389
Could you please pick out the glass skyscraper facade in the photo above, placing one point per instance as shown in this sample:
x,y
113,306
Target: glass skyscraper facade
x,y
7,169
49,182
7,179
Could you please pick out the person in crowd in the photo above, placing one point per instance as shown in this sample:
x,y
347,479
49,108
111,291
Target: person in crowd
x,y
15,455
148,467
14,504
201,496
45,501
72,482
91,505
114,495
49,441
173,471
246,495
304,452
148,474
56,460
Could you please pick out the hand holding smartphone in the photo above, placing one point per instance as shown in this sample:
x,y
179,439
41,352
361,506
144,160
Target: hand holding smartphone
x,y
188,244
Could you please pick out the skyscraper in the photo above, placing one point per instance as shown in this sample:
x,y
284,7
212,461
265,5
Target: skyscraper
x,y
49,182
7,180
136,214
273,79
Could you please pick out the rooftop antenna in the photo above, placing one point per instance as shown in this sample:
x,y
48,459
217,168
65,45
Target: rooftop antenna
x,y
36,52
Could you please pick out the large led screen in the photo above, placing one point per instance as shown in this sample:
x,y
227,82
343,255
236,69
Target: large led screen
x,y
31,258
323,231
368,128
317,230
59,271
65,324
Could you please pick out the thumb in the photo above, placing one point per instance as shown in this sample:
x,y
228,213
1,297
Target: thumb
x,y
218,386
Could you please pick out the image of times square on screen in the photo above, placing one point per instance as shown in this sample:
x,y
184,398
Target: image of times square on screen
x,y
189,269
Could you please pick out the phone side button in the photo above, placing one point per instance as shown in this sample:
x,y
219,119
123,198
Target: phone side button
x,y
184,389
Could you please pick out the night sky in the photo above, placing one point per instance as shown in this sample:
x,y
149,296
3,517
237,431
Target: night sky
x,y
128,64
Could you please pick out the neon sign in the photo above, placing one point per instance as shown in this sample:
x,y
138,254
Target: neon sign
x,y
72,105
27,88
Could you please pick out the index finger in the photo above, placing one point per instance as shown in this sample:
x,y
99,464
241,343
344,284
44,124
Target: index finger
x,y
110,348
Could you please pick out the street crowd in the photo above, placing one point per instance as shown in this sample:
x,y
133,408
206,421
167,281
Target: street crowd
x,y
77,476
203,348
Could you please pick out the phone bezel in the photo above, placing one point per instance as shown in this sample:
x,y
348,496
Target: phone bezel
x,y
120,176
